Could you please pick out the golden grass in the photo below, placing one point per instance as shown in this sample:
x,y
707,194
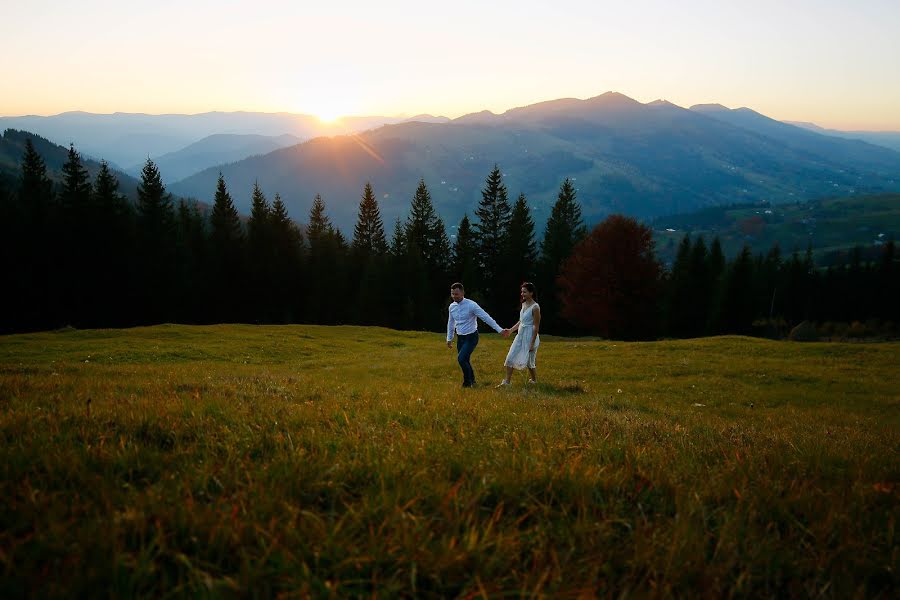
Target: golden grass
x,y
347,461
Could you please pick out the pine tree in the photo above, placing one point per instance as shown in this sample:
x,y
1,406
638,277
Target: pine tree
x,y
327,253
465,253
521,245
426,229
260,253
287,265
192,256
108,201
565,229
112,251
76,240
286,234
319,224
701,289
33,243
225,221
258,225
492,230
679,293
368,235
716,261
75,194
227,245
155,210
156,247
717,266
368,262
398,240
768,281
398,295
738,309
36,191
425,233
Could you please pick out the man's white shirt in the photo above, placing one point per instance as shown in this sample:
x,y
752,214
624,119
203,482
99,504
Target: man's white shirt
x,y
462,318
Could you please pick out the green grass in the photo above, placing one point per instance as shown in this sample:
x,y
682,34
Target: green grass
x,y
346,461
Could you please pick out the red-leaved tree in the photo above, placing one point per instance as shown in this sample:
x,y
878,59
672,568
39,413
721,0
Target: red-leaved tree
x,y
611,283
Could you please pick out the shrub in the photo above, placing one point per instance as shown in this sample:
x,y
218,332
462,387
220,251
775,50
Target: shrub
x,y
805,331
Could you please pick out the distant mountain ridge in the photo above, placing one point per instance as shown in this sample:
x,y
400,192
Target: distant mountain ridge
x,y
888,139
217,149
624,156
127,139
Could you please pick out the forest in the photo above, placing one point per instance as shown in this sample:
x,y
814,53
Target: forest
x,y
78,253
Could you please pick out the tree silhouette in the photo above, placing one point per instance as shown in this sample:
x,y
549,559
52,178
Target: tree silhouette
x,y
156,247
34,242
565,229
227,256
491,230
368,234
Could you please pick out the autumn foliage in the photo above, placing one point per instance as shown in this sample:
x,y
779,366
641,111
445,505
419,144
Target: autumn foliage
x,y
610,285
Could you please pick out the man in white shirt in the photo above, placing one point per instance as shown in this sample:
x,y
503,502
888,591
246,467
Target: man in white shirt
x,y
462,320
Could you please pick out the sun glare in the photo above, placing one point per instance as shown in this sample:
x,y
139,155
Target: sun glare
x,y
328,117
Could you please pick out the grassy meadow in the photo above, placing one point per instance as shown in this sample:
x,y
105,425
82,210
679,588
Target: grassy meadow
x,y
309,461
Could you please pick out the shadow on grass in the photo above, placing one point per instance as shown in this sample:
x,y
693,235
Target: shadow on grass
x,y
562,388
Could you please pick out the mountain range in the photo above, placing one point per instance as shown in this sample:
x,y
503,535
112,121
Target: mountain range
x,y
888,139
216,149
128,139
623,156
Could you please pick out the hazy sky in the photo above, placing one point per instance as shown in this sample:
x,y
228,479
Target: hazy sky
x,y
832,62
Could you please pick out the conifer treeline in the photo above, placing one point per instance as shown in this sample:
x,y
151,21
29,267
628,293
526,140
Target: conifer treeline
x,y
82,255
767,294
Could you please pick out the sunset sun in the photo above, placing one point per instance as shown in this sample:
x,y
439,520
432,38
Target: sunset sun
x,y
328,116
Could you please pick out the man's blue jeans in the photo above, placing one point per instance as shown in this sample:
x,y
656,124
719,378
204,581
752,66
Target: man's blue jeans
x,y
465,345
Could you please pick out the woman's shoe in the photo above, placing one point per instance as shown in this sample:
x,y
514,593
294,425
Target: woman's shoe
x,y
532,382
502,383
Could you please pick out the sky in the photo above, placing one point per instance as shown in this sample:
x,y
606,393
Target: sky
x,y
835,63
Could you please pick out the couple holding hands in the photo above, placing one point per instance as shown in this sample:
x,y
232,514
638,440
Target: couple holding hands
x,y
462,321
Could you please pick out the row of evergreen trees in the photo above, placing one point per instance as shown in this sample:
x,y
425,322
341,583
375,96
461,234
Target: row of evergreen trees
x,y
707,295
83,255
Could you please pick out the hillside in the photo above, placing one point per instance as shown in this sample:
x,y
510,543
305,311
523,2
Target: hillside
x,y
347,462
12,147
641,159
830,226
218,149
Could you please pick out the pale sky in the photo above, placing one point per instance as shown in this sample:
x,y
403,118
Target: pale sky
x,y
832,62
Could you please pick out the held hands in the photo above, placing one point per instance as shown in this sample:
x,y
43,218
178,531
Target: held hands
x,y
505,333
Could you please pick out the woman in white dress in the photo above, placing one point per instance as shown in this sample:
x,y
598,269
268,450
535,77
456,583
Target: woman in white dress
x,y
523,351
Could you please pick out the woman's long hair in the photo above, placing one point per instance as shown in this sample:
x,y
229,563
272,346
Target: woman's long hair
x,y
530,287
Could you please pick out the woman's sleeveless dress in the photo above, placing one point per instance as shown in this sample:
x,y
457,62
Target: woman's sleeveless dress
x,y
519,356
